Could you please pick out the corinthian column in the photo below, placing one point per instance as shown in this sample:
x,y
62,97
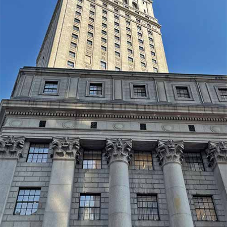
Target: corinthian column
x,y
10,150
58,206
217,157
118,154
170,156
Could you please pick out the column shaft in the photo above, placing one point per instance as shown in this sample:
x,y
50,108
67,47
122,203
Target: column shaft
x,y
119,195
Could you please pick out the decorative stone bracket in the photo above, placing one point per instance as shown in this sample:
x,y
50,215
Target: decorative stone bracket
x,y
11,146
66,148
216,152
118,150
170,151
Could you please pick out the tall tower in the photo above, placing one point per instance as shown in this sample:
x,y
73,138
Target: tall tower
x,y
104,34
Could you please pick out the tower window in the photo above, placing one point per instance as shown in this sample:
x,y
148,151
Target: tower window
x,y
104,4
89,42
128,23
104,11
91,19
154,61
104,25
92,13
152,53
140,41
155,69
50,87
92,6
90,34
75,28
143,160
117,38
42,124
74,36
193,161
129,43
104,32
129,36
103,40
92,159
117,69
76,20
72,54
151,40
139,91
89,207
147,207
138,28
117,45
38,153
103,65
104,18
116,23
27,201
116,30
130,59
223,93
139,34
143,127
141,48
78,13
103,48
152,46
142,56
130,51
90,26
94,124
79,7
117,54
204,208
182,92
70,64
116,17
143,64
73,45
128,29
95,89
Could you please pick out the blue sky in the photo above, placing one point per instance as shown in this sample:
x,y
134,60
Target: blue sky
x,y
194,35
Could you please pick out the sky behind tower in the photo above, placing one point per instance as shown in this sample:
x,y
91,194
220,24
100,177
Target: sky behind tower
x,y
194,35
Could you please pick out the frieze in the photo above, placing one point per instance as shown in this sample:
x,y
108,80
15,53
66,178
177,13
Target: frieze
x,y
118,150
66,148
216,152
11,146
170,151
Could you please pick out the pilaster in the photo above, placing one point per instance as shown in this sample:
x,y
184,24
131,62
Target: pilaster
x,y
170,155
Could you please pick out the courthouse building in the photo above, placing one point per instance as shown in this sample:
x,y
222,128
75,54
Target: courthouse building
x,y
100,134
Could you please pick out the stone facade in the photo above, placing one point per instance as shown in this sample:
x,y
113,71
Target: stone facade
x,y
124,35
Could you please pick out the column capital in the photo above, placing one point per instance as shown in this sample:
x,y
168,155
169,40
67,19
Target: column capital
x,y
118,150
170,151
66,148
11,146
216,152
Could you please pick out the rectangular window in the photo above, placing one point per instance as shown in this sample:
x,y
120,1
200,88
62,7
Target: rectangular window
x,y
103,48
130,51
38,152
50,87
154,61
76,20
42,124
193,161
117,69
223,93
142,56
140,41
73,45
92,6
72,54
92,13
141,48
88,59
75,28
139,34
103,65
70,64
128,29
130,59
104,4
116,17
155,69
128,23
104,32
90,26
74,36
104,11
78,13
90,205
147,207
117,38
27,201
79,7
143,64
104,25
89,42
95,89
91,19
92,159
90,34
182,92
129,36
104,18
129,43
138,28
117,45
152,46
143,126
191,128
116,30
103,40
143,160
117,54
151,40
116,23
94,125
139,91
152,53
204,208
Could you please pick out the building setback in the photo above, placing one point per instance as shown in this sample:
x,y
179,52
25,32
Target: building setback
x,y
91,136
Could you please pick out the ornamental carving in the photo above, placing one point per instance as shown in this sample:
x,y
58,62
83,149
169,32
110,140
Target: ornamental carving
x,y
11,146
170,151
118,150
216,152
66,148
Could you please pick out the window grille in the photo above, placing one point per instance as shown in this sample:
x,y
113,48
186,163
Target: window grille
x,y
182,92
204,208
95,89
92,159
143,127
193,161
89,207
94,124
42,124
139,90
143,160
147,207
223,93
191,128
38,152
27,201
50,87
